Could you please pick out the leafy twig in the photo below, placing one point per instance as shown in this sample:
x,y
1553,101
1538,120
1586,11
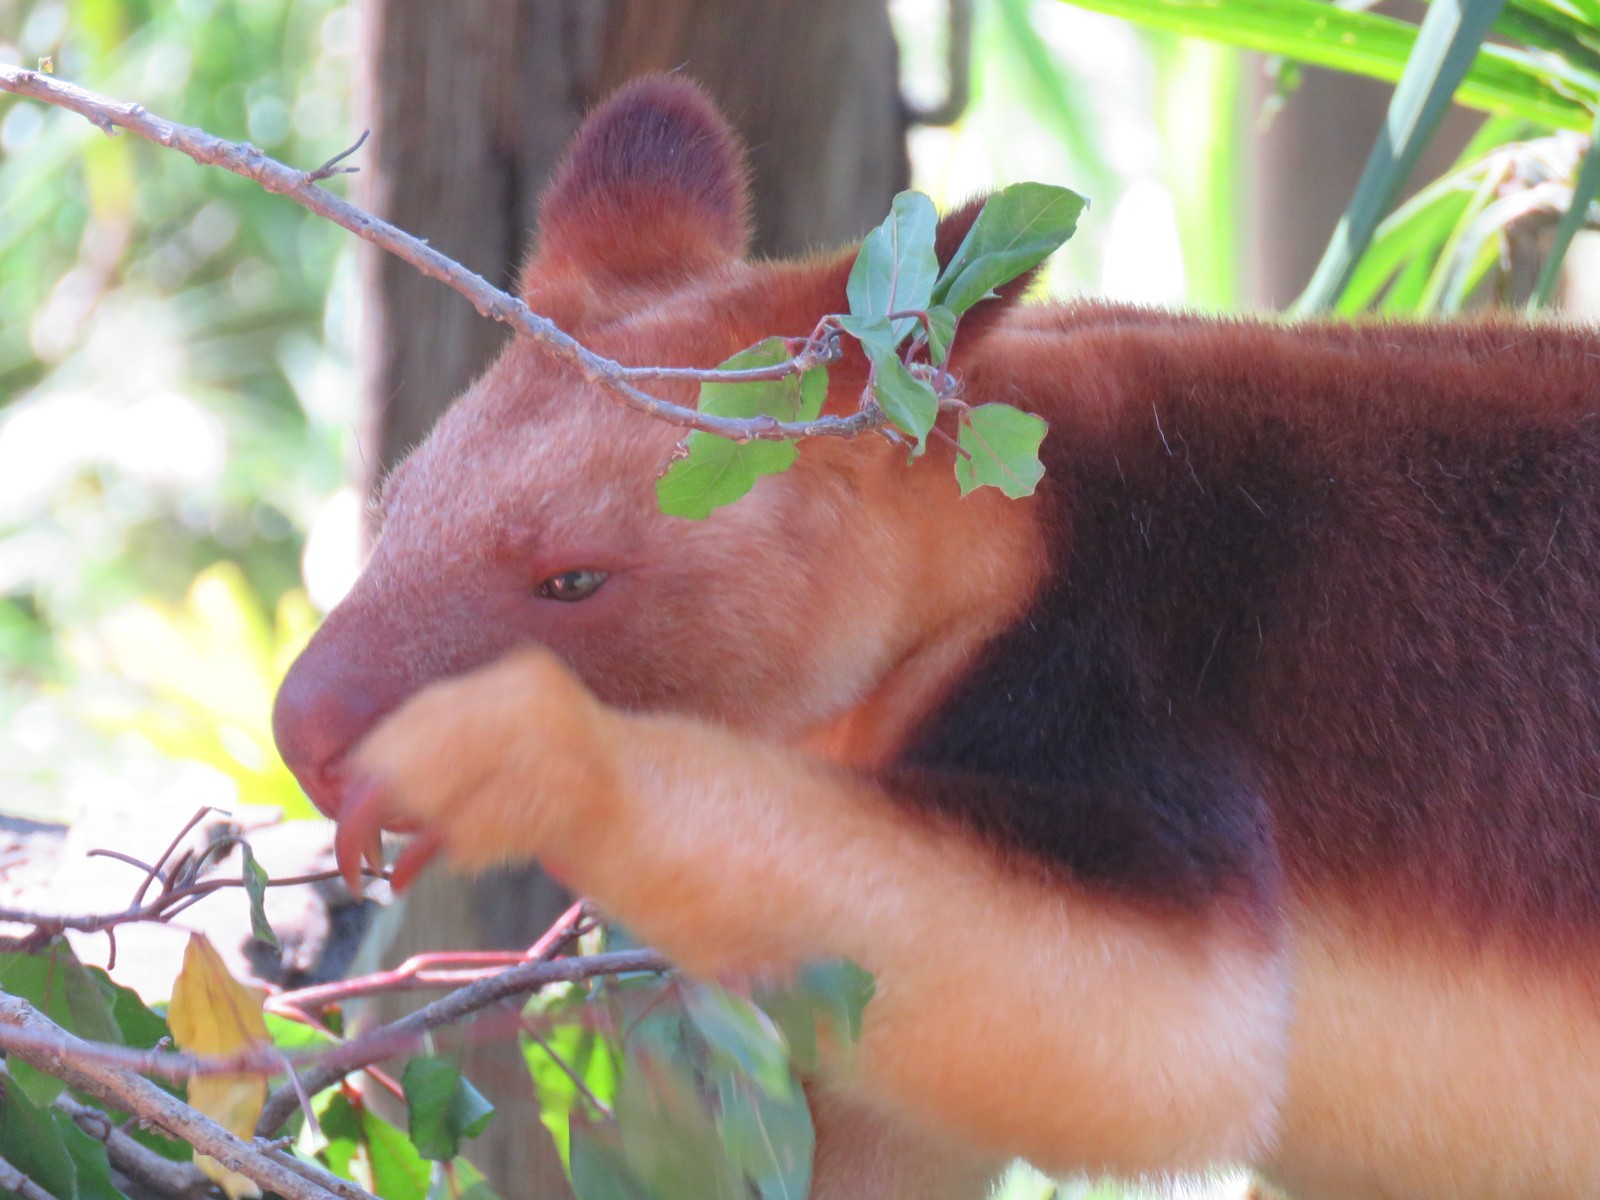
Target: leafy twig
x,y
43,1044
532,1035
333,1065
301,186
326,1065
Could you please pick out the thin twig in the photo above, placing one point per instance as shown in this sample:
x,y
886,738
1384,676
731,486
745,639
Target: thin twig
x,y
155,871
813,354
332,167
434,969
166,905
490,301
333,1065
17,1184
130,860
600,1105
311,1172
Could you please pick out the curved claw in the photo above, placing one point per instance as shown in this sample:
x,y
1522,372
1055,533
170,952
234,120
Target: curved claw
x,y
360,833
417,855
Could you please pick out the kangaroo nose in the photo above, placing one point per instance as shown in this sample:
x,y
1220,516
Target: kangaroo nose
x,y
325,707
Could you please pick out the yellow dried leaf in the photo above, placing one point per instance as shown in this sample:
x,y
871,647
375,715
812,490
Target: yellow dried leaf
x,y
213,1013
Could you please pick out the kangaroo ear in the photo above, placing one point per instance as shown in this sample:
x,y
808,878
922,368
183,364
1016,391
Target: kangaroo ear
x,y
793,295
653,190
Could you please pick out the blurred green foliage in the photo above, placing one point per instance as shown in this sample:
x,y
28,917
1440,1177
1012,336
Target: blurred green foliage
x,y
174,386
1539,78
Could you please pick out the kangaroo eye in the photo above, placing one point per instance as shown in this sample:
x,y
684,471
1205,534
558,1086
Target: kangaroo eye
x,y
572,585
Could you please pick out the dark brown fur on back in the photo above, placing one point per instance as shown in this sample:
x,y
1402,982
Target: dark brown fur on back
x,y
1329,588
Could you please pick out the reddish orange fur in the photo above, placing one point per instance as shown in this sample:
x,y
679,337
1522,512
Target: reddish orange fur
x,y
1230,801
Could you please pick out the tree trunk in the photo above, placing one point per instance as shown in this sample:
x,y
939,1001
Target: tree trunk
x,y
471,104
811,85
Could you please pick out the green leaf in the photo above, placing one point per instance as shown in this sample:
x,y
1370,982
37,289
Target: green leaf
x,y
768,1136
1540,25
941,332
32,1142
599,1169
340,1125
362,1143
896,266
738,1035
296,1035
874,333
823,1004
716,470
1501,80
443,1107
1018,228
1478,256
1415,230
910,403
589,1055
1460,246
459,1180
668,1140
63,989
1002,445
792,398
91,1169
255,887
840,990
1418,235
1447,43
138,1025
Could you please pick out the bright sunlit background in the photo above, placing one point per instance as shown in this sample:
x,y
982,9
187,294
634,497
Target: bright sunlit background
x,y
175,403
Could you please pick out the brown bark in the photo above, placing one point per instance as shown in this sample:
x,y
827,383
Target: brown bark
x,y
465,120
471,104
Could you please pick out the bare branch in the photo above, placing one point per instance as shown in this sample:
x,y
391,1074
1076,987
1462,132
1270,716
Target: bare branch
x,y
43,1044
15,1183
332,167
157,871
168,903
309,1171
166,1178
398,1036
33,1040
490,301
436,969
812,354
